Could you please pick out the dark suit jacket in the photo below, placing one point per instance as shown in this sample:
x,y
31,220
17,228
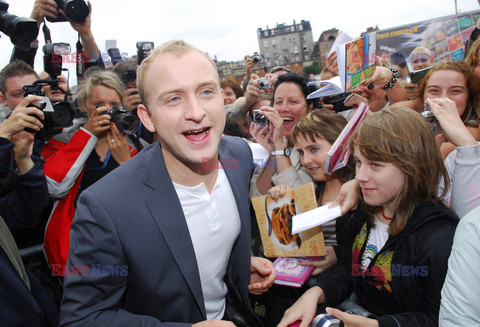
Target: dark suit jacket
x,y
132,221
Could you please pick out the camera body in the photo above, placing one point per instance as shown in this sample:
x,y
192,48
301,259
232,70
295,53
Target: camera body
x,y
128,76
21,30
126,122
259,119
76,10
57,116
264,83
337,101
431,119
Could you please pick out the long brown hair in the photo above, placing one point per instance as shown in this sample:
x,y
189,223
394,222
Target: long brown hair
x,y
472,109
401,136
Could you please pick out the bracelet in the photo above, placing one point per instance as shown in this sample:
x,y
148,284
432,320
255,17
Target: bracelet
x,y
394,79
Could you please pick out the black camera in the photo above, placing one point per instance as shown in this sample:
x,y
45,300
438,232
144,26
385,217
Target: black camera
x,y
76,10
56,118
264,83
259,119
128,76
256,58
337,101
126,122
21,30
143,49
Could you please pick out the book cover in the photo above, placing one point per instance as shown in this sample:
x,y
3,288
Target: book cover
x,y
338,154
275,224
356,61
290,272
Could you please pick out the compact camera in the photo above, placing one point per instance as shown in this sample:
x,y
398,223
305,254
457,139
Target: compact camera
x,y
259,119
337,101
431,119
256,58
126,122
264,83
76,10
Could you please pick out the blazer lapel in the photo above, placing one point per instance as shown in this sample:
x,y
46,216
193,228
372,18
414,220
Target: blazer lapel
x,y
167,212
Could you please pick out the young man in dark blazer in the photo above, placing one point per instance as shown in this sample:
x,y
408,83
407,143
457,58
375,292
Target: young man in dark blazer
x,y
164,240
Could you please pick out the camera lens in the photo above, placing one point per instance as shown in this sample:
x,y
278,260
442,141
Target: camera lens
x,y
62,114
126,123
22,31
76,10
261,85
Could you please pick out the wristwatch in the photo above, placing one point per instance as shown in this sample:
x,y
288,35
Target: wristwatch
x,y
285,152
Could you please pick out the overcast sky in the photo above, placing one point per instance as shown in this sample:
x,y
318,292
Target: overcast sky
x,y
228,29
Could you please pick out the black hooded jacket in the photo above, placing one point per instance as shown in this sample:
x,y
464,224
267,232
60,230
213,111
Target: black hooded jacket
x,y
403,282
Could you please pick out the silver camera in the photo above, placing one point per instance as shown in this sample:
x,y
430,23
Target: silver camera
x,y
264,83
431,119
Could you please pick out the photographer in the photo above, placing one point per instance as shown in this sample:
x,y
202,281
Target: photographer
x,y
127,72
24,302
81,155
13,78
48,8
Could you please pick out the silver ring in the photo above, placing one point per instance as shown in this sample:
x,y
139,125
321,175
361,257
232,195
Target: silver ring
x,y
112,141
101,122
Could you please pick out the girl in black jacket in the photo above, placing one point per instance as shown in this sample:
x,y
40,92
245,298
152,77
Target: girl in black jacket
x,y
398,243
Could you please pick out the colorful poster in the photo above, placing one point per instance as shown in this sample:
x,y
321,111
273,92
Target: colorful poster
x,y
454,43
432,34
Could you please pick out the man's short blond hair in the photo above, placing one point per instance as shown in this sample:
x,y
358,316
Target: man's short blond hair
x,y
175,47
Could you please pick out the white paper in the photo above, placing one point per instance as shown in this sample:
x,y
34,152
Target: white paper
x,y
329,87
340,39
314,218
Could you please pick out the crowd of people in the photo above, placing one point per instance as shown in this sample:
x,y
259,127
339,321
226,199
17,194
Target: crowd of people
x,y
137,212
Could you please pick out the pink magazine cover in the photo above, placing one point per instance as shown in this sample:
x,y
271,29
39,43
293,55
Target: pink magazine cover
x,y
290,272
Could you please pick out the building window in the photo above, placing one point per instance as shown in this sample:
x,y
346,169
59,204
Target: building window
x,y
295,50
307,57
305,48
274,42
300,27
303,37
283,38
267,54
294,39
265,33
265,44
285,47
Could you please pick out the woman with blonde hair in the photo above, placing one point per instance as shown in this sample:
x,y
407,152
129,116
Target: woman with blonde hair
x,y
398,242
81,155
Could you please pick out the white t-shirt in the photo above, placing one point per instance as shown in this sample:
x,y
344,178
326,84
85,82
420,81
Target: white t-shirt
x,y
214,225
377,238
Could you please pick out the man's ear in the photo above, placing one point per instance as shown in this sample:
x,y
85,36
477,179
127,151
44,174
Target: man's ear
x,y
3,100
145,117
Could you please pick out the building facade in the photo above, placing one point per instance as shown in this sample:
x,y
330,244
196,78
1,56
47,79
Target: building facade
x,y
323,46
286,44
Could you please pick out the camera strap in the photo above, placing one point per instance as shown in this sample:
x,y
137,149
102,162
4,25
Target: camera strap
x,y
80,61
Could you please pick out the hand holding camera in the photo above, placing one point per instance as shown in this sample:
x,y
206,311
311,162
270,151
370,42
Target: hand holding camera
x,y
443,112
22,117
98,122
272,138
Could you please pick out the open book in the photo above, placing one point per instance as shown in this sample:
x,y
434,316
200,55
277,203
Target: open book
x,y
275,224
356,64
337,156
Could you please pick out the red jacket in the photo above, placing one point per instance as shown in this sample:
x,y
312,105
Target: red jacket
x,y
65,156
